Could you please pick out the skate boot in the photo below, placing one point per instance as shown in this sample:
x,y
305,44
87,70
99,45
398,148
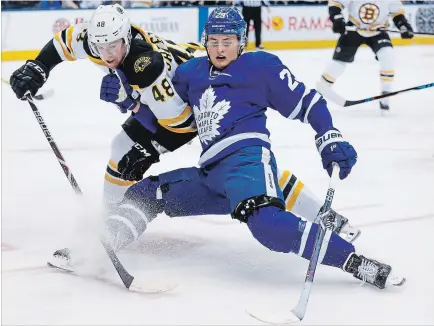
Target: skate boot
x,y
384,106
371,271
62,260
340,225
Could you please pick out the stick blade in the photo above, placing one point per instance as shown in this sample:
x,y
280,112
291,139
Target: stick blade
x,y
152,286
330,94
269,318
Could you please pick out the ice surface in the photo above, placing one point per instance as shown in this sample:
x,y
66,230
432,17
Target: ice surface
x,y
222,270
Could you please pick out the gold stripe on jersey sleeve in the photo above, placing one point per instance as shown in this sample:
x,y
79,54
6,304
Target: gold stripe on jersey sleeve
x,y
284,178
335,4
69,39
65,50
193,45
399,12
118,182
173,124
185,130
354,20
146,36
179,119
113,165
292,199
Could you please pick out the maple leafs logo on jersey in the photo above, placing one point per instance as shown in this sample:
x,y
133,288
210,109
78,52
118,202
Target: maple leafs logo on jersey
x,y
209,114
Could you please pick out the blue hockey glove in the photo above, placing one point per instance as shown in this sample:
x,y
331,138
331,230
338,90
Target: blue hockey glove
x,y
332,148
116,89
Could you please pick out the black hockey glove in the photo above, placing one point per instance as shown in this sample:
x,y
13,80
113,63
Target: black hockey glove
x,y
137,161
404,27
29,77
339,25
406,32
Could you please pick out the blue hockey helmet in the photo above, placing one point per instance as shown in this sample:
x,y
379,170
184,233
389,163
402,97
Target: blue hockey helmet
x,y
225,20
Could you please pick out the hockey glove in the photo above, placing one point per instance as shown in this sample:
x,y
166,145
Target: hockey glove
x,y
406,32
404,27
339,25
116,89
332,148
28,78
137,161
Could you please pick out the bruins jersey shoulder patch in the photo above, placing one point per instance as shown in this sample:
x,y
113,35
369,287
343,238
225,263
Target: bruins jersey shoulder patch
x,y
141,63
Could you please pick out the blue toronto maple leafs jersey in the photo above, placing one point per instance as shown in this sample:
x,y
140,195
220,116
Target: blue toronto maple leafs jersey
x,y
229,105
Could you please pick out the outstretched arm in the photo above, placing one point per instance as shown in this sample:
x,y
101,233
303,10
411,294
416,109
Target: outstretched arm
x,y
296,101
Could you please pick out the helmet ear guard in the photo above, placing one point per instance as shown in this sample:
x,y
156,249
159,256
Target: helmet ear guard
x,y
108,23
226,20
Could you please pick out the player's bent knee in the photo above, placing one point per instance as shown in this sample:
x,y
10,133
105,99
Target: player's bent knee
x,y
275,229
146,195
248,206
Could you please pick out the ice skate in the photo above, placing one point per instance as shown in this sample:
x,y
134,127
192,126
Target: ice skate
x,y
89,258
372,272
62,260
384,105
340,225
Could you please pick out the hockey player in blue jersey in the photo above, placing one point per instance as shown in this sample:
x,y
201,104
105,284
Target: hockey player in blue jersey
x,y
229,92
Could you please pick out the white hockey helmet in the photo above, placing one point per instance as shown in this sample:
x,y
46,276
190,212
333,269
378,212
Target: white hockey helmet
x,y
108,23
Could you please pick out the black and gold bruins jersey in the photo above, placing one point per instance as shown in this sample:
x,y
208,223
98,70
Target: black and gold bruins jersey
x,y
369,14
149,68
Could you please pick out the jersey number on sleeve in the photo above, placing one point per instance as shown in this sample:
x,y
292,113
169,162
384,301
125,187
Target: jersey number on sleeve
x,y
158,93
291,84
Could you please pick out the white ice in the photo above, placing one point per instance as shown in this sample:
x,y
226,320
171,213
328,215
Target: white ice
x,y
222,270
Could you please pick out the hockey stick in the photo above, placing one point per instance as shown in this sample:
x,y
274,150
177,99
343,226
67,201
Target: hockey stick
x,y
53,145
320,247
42,96
354,29
415,33
126,278
330,94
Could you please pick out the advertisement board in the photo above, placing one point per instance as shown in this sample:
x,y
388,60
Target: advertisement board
x,y
287,27
180,25
284,27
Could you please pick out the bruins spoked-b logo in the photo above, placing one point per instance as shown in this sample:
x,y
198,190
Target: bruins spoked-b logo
x,y
425,19
141,64
368,13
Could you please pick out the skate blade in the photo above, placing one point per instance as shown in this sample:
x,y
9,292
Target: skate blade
x,y
395,280
60,264
274,318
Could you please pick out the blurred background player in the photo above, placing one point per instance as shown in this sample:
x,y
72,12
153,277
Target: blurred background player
x,y
374,16
252,10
